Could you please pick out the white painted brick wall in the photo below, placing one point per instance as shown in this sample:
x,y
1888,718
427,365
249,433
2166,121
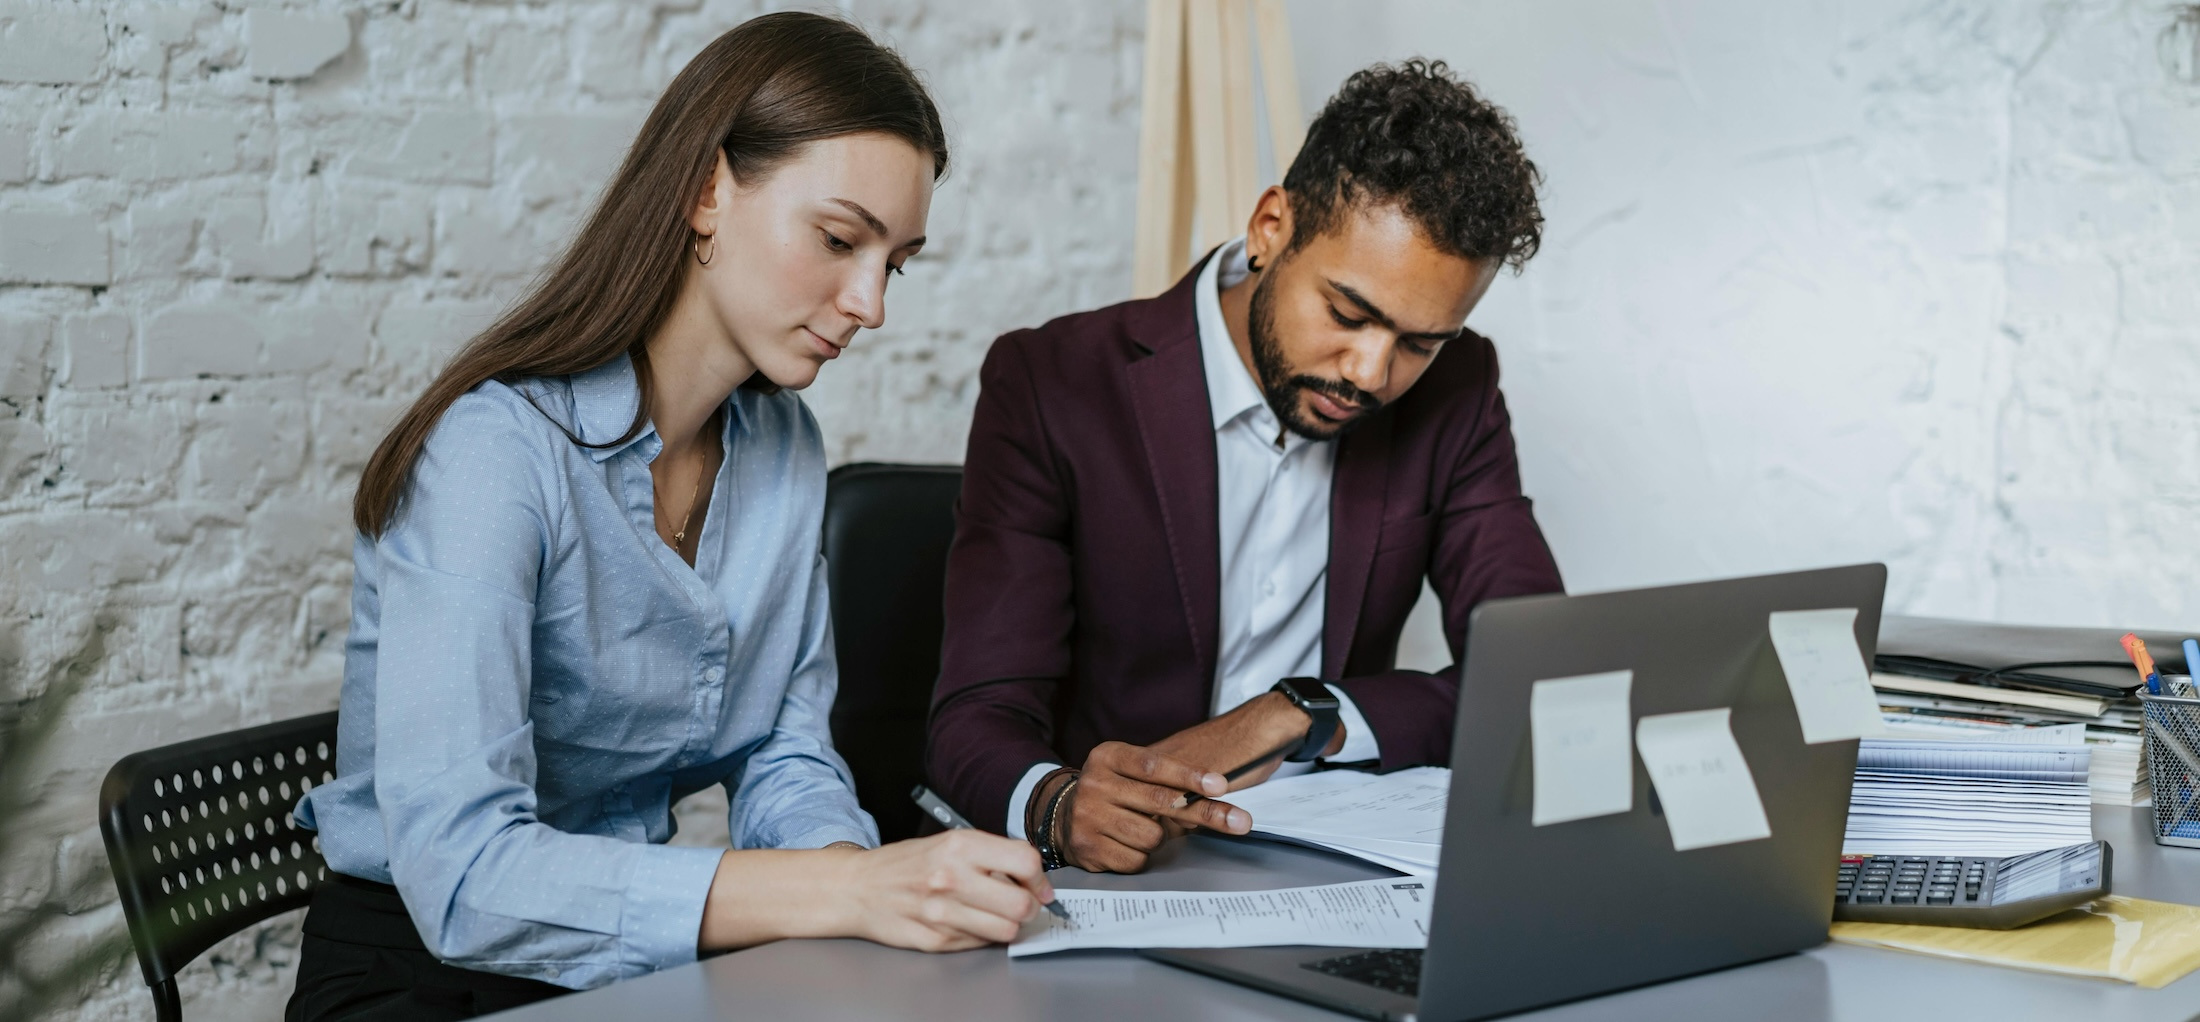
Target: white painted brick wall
x,y
235,240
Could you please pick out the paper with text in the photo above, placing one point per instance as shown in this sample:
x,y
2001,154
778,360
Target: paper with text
x,y
1405,805
1825,673
1367,913
1584,760
1702,781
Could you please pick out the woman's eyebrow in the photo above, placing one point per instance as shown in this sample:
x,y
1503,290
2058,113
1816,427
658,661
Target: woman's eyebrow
x,y
869,218
872,221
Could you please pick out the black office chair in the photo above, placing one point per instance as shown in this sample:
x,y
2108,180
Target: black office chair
x,y
201,842
887,528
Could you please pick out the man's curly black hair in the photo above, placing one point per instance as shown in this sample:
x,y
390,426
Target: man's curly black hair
x,y
1415,136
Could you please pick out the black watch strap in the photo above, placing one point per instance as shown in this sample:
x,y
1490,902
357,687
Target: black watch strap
x,y
1310,695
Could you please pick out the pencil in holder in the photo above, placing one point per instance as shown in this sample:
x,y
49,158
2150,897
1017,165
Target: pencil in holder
x,y
2173,764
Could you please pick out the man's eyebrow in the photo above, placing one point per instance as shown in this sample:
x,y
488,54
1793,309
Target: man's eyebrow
x,y
873,222
1368,309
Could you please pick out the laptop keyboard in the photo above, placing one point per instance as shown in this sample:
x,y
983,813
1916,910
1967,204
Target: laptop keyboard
x,y
1397,970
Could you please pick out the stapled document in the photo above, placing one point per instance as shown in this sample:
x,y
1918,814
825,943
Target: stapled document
x,y
1825,673
1367,913
1583,756
1702,781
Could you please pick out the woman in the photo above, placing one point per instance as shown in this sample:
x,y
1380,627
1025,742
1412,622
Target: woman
x,y
587,580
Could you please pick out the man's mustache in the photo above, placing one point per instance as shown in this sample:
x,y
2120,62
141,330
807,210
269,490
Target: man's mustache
x,y
1343,393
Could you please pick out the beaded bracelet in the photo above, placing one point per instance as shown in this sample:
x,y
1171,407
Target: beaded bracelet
x,y
1049,842
1035,808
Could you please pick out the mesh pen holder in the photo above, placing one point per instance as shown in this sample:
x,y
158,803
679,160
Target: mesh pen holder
x,y
2173,764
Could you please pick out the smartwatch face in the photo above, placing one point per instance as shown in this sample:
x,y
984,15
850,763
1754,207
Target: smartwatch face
x,y
1310,691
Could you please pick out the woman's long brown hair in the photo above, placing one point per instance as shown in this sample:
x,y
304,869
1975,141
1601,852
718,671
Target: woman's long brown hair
x,y
759,94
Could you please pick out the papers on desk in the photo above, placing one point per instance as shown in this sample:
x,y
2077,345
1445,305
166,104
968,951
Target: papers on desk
x,y
2150,943
1949,790
1366,913
1394,820
2112,727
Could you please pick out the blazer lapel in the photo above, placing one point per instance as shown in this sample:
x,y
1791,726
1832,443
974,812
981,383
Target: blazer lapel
x,y
1169,397
1358,493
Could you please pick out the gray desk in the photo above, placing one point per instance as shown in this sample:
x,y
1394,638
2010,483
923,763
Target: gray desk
x,y
848,979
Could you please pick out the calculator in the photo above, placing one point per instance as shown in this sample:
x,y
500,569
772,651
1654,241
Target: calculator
x,y
1987,893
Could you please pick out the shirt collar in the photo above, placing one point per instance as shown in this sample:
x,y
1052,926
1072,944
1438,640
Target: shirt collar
x,y
1231,390
604,402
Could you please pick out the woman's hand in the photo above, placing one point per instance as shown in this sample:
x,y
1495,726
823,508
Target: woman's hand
x,y
948,892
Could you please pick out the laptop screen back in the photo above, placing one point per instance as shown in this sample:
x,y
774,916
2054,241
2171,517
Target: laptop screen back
x,y
1526,915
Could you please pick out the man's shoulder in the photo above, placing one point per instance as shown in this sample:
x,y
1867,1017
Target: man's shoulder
x,y
1084,342
1468,363
1456,391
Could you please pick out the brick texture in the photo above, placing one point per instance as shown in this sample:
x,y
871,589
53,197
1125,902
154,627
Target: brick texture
x,y
236,239
1912,284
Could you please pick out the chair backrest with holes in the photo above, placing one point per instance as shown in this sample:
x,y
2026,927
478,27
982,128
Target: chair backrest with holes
x,y
200,836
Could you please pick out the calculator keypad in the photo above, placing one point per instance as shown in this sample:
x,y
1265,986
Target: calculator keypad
x,y
1910,880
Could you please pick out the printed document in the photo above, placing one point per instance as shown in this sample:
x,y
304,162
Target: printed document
x,y
1825,673
1394,820
1584,759
1365,913
1702,781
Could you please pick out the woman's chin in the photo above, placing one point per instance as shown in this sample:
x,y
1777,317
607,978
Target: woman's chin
x,y
797,376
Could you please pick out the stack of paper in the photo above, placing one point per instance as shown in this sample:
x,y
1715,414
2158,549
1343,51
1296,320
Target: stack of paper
x,y
1937,788
2112,726
1394,820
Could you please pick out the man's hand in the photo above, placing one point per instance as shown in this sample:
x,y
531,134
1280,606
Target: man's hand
x,y
1125,796
1256,726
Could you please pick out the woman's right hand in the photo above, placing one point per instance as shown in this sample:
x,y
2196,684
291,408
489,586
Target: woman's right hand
x,y
948,892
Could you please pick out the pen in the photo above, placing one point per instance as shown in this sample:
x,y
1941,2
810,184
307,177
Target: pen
x,y
938,809
1256,763
2137,650
2192,663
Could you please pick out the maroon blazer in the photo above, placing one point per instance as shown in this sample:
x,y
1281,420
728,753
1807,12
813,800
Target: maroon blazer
x,y
1083,596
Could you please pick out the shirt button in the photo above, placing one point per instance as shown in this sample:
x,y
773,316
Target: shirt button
x,y
714,674
1268,588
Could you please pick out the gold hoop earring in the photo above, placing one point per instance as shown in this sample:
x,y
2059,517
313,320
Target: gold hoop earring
x,y
700,258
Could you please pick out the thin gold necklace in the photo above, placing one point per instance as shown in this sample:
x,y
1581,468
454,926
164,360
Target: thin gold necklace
x,y
679,537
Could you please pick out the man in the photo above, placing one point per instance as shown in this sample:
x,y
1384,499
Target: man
x,y
1170,506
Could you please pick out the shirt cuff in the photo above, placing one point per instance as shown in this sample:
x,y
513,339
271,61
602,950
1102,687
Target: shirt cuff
x,y
1359,739
663,915
1021,797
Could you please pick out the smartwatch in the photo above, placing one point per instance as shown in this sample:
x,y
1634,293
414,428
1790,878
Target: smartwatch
x,y
1311,695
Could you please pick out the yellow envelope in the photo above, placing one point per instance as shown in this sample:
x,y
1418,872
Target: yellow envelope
x,y
2151,943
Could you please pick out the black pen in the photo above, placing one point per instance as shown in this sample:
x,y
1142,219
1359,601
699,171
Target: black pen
x,y
938,809
1256,763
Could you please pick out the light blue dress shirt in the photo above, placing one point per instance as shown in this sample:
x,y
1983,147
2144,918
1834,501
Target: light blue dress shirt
x,y
533,678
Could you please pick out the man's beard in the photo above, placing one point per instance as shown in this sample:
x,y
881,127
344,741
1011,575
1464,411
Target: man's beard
x,y
1282,387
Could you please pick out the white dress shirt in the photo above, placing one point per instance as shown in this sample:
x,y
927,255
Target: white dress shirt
x,y
1273,495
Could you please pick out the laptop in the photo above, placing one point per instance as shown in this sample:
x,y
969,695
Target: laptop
x,y
1529,916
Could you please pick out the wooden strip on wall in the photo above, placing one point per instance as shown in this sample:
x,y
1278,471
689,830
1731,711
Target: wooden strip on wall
x,y
1206,80
1241,138
1159,252
1279,77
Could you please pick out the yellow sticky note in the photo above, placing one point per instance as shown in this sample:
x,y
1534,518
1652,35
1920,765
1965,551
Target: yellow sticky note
x,y
2150,943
